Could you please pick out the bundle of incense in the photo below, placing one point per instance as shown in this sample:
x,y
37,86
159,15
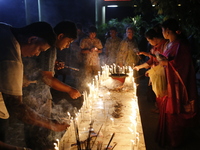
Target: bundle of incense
x,y
77,135
76,69
89,134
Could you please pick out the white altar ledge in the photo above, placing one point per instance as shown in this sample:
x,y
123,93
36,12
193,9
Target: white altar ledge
x,y
114,114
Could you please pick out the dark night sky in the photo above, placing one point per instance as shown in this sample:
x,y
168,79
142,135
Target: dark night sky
x,y
53,11
119,12
12,12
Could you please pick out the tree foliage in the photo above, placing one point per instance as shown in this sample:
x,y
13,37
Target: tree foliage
x,y
137,22
186,11
150,12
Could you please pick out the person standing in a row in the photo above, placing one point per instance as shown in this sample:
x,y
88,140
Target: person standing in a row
x,y
155,38
127,52
111,46
91,47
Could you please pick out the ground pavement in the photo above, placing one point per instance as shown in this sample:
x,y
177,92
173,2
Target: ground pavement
x,y
150,121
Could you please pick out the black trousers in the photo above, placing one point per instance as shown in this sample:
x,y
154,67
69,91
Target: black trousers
x,y
3,129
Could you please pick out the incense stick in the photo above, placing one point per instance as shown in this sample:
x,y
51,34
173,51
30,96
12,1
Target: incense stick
x,y
76,69
96,136
114,146
110,140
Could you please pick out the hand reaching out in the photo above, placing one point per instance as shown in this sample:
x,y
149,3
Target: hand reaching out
x,y
144,53
74,93
58,127
136,68
59,65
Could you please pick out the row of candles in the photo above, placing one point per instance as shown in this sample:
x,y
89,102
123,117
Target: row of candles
x,y
116,69
94,100
108,70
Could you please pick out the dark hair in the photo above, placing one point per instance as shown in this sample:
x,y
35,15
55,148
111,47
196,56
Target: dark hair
x,y
92,29
39,29
174,26
154,33
68,28
171,24
158,29
113,28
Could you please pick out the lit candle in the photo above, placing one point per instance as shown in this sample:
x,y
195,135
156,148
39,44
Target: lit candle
x,y
112,120
77,121
123,70
83,97
137,140
82,113
58,143
55,146
132,144
86,96
86,99
114,68
99,76
97,82
92,82
107,71
70,128
69,115
103,75
126,69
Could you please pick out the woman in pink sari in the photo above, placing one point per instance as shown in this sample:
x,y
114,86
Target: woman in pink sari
x,y
181,87
155,38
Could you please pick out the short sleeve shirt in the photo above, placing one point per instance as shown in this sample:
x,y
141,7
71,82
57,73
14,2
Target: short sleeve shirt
x,y
92,59
11,67
33,67
127,54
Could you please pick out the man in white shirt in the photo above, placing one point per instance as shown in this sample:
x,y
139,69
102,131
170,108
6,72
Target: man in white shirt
x,y
15,43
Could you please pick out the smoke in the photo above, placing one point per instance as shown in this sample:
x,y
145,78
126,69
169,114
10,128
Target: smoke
x,y
61,110
112,84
